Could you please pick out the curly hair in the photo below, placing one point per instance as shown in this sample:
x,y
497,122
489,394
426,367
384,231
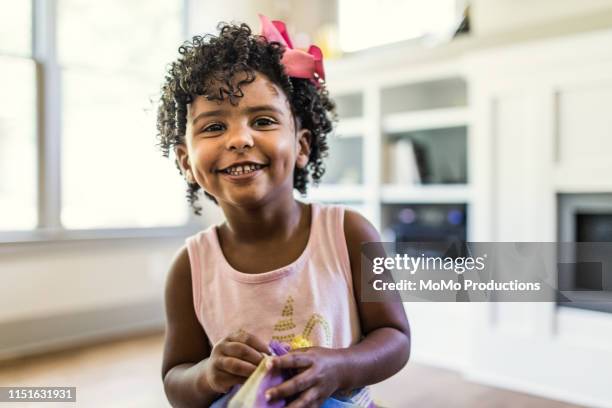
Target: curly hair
x,y
208,65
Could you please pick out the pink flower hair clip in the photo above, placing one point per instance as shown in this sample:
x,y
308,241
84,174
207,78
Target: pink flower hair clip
x,y
298,63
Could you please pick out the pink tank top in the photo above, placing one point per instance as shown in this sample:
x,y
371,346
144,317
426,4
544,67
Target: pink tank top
x,y
312,297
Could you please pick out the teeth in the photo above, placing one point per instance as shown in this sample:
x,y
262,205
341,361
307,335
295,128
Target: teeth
x,y
238,170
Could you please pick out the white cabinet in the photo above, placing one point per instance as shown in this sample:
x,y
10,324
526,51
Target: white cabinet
x,y
401,139
584,123
507,129
381,109
543,128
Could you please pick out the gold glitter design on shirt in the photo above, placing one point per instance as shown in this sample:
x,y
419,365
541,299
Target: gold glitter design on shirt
x,y
286,323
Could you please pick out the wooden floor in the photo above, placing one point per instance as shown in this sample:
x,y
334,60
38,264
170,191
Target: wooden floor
x,y
126,373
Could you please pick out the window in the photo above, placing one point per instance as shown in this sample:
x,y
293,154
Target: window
x,y
369,23
103,71
15,27
112,56
17,118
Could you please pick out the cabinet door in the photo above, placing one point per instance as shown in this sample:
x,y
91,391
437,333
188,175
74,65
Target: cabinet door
x,y
530,128
583,135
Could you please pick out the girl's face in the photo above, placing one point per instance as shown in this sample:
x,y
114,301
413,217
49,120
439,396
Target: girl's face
x,y
244,154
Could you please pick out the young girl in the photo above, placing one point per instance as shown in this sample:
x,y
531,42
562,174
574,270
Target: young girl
x,y
247,117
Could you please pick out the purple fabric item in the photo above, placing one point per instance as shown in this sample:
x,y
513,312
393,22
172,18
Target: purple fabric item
x,y
273,379
270,380
278,349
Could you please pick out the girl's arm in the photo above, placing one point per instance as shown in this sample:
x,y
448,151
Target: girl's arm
x,y
195,375
382,352
386,346
186,348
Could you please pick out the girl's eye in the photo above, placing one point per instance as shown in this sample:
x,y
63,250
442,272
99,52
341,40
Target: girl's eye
x,y
213,128
264,122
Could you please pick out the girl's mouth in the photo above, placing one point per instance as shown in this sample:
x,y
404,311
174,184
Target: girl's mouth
x,y
242,172
242,169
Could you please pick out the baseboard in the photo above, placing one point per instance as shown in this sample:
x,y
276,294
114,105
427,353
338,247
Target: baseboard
x,y
51,333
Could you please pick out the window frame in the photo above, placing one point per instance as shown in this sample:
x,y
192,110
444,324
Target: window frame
x,y
48,144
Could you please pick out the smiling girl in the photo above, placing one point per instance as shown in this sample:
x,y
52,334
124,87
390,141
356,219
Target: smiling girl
x,y
247,117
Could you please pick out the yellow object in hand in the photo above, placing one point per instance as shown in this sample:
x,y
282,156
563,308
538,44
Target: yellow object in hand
x,y
300,342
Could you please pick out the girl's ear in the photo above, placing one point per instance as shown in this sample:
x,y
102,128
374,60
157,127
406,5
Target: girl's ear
x,y
303,148
182,157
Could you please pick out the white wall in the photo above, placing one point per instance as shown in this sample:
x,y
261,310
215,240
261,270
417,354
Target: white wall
x,y
488,17
57,294
204,15
491,17
69,281
300,15
60,277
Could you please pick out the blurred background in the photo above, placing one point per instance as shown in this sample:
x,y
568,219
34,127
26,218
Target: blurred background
x,y
478,120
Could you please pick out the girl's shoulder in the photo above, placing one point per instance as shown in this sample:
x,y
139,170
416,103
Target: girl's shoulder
x,y
201,243
357,230
356,225
178,280
203,234
178,290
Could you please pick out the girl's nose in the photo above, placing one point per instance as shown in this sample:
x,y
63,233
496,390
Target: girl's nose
x,y
239,139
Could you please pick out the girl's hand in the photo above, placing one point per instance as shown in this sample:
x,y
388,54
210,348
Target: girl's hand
x,y
319,376
232,360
